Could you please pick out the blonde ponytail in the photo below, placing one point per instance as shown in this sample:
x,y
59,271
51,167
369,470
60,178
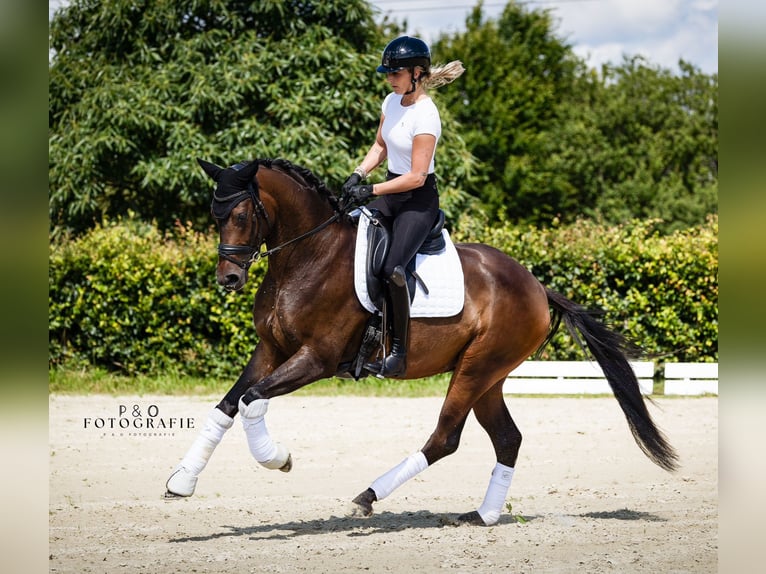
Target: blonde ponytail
x,y
441,75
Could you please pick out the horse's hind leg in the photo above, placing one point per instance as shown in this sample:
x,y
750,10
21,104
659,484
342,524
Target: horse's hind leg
x,y
493,416
407,469
442,442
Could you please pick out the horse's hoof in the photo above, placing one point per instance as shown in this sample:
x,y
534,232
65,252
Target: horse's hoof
x,y
473,518
172,495
180,484
283,460
362,504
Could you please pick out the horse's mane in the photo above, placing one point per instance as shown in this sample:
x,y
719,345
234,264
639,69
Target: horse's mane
x,y
303,176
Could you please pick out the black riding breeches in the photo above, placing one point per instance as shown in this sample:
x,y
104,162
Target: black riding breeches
x,y
413,213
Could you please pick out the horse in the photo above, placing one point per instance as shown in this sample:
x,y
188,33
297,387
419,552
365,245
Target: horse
x,y
310,326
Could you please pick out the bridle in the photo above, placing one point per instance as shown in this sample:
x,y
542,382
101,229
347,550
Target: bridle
x,y
230,252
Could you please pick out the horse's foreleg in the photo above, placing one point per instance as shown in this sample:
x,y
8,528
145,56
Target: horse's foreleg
x,y
183,480
493,416
301,369
265,451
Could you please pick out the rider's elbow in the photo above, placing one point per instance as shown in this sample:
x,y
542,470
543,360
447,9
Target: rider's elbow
x,y
418,179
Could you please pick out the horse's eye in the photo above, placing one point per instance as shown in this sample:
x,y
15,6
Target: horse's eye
x,y
242,217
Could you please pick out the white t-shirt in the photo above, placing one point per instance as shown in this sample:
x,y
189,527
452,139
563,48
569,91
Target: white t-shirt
x,y
400,126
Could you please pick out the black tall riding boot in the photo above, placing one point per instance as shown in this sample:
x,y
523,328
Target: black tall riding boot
x,y
395,363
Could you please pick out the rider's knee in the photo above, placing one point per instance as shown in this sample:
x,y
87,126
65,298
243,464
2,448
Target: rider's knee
x,y
398,276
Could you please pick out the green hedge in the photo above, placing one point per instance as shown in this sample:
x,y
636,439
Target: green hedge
x,y
128,298
659,290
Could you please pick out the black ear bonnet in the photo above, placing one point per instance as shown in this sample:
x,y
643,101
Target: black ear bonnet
x,y
235,184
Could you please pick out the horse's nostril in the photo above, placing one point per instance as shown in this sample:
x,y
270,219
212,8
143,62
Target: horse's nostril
x,y
232,281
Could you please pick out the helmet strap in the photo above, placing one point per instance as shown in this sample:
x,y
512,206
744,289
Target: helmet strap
x,y
414,82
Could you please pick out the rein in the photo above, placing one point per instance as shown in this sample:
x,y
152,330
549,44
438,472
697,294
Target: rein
x,y
228,251
278,248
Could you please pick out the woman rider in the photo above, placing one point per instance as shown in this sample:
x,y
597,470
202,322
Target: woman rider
x,y
408,131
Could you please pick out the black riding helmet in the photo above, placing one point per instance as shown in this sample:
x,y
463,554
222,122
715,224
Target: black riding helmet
x,y
405,52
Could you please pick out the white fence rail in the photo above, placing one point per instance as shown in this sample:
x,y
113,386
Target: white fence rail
x,y
691,378
570,378
584,377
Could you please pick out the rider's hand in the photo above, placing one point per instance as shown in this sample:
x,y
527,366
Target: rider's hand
x,y
360,193
353,179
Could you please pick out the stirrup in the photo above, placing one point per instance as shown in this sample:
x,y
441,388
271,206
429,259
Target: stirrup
x,y
392,365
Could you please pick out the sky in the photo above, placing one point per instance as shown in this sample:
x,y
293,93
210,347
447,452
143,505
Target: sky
x,y
599,31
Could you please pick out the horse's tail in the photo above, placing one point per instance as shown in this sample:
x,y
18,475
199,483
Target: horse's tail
x,y
611,350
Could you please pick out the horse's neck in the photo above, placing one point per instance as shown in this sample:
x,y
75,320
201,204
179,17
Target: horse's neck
x,y
294,211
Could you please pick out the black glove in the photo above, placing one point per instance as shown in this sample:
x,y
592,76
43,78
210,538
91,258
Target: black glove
x,y
353,179
360,193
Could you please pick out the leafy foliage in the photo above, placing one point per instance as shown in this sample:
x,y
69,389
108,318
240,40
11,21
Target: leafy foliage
x,y
138,89
660,290
129,298
559,141
531,138
652,146
126,297
517,73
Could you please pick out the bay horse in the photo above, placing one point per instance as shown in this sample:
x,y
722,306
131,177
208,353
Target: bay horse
x,y
310,326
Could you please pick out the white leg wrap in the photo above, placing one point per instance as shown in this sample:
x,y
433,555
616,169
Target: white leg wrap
x,y
268,453
401,473
184,478
497,490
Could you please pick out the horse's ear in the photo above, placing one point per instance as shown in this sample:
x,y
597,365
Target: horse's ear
x,y
211,169
241,178
248,172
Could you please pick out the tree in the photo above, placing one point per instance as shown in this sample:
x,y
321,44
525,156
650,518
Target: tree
x,y
637,141
517,74
558,141
668,126
140,88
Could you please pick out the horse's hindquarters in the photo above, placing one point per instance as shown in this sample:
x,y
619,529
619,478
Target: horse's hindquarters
x,y
505,318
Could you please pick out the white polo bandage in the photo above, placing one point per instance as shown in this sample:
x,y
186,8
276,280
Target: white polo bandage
x,y
497,490
255,410
264,450
209,437
401,473
184,478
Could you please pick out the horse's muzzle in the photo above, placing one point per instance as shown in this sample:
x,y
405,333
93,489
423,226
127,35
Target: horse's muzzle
x,y
230,279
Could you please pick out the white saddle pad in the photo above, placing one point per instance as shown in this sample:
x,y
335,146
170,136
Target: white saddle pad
x,y
442,273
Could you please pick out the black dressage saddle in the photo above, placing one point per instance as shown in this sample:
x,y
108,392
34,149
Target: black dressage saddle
x,y
378,244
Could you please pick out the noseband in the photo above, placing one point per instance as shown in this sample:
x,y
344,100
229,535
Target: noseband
x,y
223,205
233,252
